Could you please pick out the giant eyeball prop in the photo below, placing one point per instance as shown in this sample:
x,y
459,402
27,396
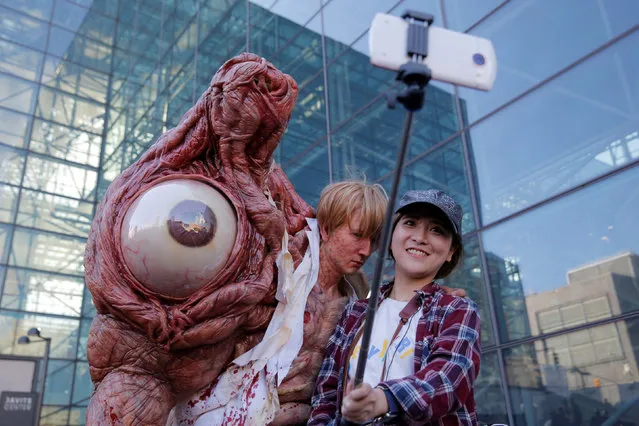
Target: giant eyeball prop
x,y
177,236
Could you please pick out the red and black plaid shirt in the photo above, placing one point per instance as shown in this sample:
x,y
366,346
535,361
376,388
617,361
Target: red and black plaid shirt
x,y
446,363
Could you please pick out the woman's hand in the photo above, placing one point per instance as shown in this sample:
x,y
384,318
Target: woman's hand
x,y
364,403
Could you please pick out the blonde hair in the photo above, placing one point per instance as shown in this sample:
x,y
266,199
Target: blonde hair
x,y
339,202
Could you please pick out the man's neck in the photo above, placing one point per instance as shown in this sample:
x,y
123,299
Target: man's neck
x,y
329,277
404,288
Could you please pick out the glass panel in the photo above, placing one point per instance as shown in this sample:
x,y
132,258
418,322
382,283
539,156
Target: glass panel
x,y
468,276
554,381
16,93
306,126
62,331
296,11
217,43
78,415
36,8
106,7
83,21
569,131
81,50
66,143
489,395
460,14
5,235
345,21
58,386
441,169
335,42
573,27
8,202
16,133
353,83
48,252
60,178
88,308
75,79
309,174
53,213
568,263
83,387
40,292
53,415
26,31
69,110
85,326
368,143
11,165
20,61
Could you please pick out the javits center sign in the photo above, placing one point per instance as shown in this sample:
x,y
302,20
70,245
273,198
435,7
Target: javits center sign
x,y
18,408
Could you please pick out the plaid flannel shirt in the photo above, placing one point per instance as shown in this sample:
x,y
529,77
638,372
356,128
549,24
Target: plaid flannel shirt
x,y
446,363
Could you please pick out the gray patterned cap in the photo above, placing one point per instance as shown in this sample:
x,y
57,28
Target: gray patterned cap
x,y
439,199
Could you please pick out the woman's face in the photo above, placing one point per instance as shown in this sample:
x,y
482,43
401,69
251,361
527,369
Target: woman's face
x,y
421,244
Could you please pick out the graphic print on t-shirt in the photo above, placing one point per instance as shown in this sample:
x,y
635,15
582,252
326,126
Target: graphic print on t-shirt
x,y
398,354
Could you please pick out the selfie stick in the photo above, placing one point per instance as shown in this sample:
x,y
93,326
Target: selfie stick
x,y
416,76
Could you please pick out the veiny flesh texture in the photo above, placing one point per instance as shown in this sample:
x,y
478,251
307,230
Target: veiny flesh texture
x,y
146,350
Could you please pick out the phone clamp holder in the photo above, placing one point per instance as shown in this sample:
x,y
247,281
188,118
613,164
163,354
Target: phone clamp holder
x,y
415,75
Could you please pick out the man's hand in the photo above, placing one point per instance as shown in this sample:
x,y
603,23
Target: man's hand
x,y
364,403
459,292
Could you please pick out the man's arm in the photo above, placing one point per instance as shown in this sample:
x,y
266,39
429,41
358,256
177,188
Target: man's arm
x,y
446,381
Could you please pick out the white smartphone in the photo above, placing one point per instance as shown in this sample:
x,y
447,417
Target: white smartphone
x,y
453,57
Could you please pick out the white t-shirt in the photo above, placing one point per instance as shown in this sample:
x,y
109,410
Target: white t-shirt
x,y
398,354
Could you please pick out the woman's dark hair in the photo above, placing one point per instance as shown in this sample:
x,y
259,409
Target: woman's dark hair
x,y
448,267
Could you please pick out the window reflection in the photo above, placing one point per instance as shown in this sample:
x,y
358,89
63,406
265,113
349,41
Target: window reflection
x,y
62,331
16,93
489,395
309,172
11,164
8,203
22,29
20,61
469,276
572,262
39,292
522,32
462,14
83,387
5,235
49,252
573,129
60,178
576,379
75,79
15,134
58,385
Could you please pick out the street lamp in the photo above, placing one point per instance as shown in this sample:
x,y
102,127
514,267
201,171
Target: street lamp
x,y
25,340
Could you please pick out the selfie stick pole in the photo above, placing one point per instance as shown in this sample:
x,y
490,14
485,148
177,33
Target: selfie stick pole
x,y
416,76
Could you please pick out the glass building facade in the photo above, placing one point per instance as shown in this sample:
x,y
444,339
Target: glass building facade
x,y
546,166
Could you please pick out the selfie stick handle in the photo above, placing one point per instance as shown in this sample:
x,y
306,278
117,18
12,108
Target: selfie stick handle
x,y
416,76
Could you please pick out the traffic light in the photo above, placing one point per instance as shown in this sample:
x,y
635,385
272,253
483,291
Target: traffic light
x,y
597,382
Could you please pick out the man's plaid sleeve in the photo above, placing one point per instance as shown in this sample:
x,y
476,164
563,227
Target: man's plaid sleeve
x,y
324,402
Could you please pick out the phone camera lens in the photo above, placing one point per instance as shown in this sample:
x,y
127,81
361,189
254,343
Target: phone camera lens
x,y
479,59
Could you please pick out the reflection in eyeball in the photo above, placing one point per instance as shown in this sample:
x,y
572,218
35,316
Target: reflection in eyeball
x,y
177,236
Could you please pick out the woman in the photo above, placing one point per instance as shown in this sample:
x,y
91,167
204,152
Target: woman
x,y
424,353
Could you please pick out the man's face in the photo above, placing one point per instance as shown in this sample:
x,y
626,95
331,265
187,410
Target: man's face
x,y
346,249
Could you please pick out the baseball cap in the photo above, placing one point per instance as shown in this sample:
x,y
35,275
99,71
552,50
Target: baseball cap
x,y
439,199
